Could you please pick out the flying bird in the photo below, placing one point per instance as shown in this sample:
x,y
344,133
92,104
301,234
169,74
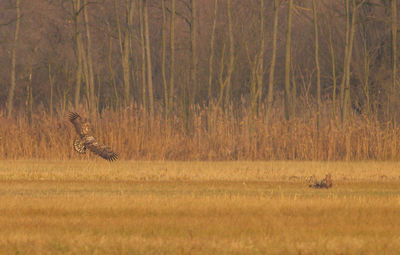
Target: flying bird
x,y
86,141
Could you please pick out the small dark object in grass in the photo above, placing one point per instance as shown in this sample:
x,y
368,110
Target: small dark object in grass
x,y
324,183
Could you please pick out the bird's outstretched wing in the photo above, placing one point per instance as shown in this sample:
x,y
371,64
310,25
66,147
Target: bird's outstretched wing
x,y
87,141
76,120
100,149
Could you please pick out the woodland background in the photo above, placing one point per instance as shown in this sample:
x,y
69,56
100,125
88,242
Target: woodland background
x,y
202,79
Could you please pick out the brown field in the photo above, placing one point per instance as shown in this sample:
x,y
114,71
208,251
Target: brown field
x,y
130,207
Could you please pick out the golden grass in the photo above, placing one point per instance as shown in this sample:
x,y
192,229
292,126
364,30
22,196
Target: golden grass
x,y
131,207
207,135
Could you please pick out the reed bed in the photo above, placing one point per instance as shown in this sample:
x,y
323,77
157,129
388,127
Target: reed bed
x,y
204,135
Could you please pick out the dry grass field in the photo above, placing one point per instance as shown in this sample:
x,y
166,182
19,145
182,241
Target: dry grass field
x,y
214,135
131,207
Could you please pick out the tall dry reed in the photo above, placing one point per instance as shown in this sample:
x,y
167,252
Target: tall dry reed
x,y
207,135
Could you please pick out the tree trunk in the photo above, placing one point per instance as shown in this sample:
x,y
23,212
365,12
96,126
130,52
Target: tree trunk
x,y
172,59
28,100
112,73
86,76
394,59
125,49
257,70
126,67
225,83
148,57
51,82
366,72
231,57
294,93
288,99
116,7
10,99
346,52
163,57
76,6
92,100
210,60
273,60
143,49
193,53
347,99
260,58
253,84
333,63
222,82
317,64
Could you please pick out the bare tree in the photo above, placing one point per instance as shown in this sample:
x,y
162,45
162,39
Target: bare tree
x,y
90,79
231,55
202,47
346,100
270,96
193,52
225,83
143,51
172,59
29,94
346,52
211,57
76,9
333,64
257,67
394,58
51,82
13,60
116,103
163,56
148,56
288,99
125,41
316,42
260,69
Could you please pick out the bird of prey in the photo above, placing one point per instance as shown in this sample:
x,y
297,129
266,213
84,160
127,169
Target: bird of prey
x,y
86,141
